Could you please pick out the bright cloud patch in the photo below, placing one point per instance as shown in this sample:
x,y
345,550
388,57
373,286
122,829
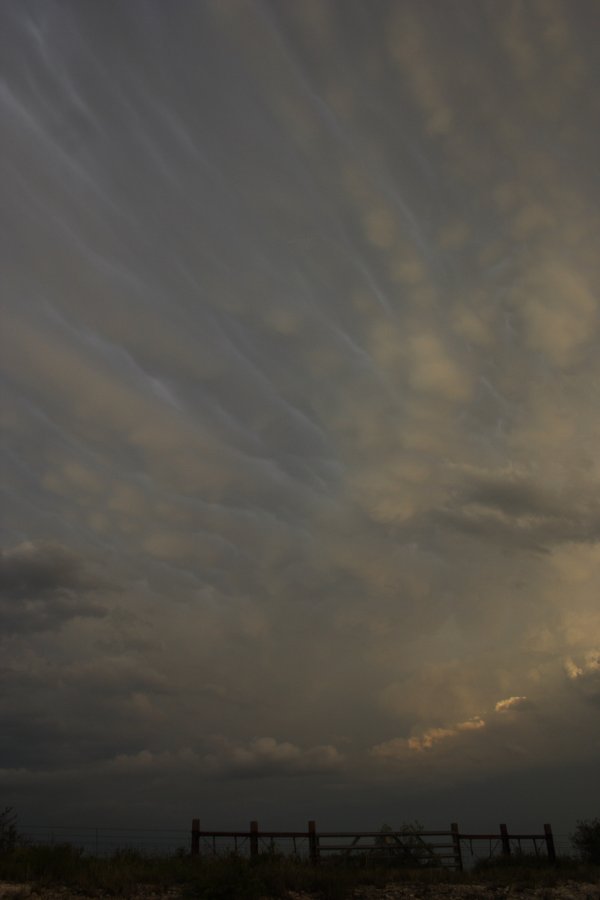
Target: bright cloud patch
x,y
511,703
398,746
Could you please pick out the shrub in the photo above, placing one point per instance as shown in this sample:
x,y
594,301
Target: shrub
x,y
586,840
409,850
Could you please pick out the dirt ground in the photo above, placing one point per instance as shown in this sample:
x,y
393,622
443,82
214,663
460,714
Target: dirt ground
x,y
9,891
566,891
569,890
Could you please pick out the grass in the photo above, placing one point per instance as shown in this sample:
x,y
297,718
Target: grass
x,y
535,871
270,875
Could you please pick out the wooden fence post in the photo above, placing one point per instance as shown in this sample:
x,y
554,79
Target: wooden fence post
x,y
550,843
253,839
313,843
195,837
456,842
505,840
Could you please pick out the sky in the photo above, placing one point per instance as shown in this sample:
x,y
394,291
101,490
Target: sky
x,y
301,412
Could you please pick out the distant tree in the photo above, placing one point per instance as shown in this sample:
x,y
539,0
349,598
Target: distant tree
x,y
405,846
586,840
384,842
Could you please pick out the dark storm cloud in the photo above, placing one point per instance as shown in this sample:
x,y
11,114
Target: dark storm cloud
x,y
515,511
263,757
30,570
514,497
42,586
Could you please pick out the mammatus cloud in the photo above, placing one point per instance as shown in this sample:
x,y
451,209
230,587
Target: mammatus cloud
x,y
300,350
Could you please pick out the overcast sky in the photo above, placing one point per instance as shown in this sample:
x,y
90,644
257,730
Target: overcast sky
x,y
302,411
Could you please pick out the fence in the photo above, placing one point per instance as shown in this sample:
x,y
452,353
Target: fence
x,y
103,840
410,846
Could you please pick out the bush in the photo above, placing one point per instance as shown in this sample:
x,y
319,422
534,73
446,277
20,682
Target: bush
x,y
409,850
586,840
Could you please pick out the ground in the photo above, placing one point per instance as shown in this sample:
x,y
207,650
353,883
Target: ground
x,y
569,890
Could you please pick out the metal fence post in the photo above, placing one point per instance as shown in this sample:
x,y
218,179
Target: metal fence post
x,y
550,843
313,843
456,841
505,840
195,850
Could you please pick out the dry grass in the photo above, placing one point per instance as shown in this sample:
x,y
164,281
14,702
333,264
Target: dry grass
x,y
270,876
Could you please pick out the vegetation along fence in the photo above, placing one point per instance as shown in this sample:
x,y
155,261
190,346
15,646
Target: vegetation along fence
x,y
411,846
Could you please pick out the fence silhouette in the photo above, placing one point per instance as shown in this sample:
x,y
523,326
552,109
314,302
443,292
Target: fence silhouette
x,y
104,840
410,846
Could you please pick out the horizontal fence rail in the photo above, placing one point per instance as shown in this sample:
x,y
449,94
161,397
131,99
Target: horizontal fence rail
x,y
408,846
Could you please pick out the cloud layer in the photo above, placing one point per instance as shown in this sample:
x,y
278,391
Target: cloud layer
x,y
300,394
